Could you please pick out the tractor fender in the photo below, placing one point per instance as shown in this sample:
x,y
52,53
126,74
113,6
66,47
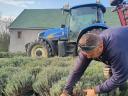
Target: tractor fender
x,y
51,44
83,31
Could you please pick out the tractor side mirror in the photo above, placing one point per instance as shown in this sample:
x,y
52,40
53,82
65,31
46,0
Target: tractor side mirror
x,y
62,25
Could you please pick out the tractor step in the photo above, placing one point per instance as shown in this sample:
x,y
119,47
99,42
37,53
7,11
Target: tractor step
x,y
69,52
67,48
71,48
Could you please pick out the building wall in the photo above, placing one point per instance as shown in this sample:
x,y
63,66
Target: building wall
x,y
18,40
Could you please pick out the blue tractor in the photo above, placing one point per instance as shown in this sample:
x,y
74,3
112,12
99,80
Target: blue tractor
x,y
63,41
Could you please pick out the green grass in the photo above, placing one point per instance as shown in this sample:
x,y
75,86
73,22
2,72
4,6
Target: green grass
x,y
25,76
20,76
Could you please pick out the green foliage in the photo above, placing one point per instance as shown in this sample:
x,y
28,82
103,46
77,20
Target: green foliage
x,y
15,61
5,74
20,83
10,55
4,41
46,78
57,88
5,55
25,76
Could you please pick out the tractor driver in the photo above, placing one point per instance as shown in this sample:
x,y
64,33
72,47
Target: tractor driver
x,y
111,47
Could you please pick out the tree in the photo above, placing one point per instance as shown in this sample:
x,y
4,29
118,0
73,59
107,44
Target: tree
x,y
4,32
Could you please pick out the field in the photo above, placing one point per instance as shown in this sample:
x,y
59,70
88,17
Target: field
x,y
25,76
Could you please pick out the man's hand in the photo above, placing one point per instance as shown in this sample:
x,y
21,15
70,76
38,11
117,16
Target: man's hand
x,y
90,92
65,93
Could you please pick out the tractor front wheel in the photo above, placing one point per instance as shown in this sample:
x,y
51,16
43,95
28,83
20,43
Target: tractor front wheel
x,y
39,50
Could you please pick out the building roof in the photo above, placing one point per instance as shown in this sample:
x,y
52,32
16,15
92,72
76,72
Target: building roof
x,y
51,18
39,19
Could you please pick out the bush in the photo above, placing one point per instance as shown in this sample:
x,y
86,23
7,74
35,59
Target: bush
x,y
15,62
46,78
57,88
5,55
5,75
25,76
30,73
11,55
19,84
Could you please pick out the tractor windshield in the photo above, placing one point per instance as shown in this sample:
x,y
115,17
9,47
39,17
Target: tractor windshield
x,y
81,17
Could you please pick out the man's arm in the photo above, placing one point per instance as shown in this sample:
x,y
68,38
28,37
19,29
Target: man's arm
x,y
80,66
119,70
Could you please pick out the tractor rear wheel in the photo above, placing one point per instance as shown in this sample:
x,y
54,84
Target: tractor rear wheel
x,y
39,49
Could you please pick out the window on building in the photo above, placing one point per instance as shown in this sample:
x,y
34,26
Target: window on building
x,y
19,34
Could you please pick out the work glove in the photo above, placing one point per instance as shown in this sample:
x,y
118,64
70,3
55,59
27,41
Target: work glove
x,y
107,72
63,94
89,92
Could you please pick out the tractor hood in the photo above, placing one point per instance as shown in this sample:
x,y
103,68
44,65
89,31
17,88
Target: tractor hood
x,y
54,33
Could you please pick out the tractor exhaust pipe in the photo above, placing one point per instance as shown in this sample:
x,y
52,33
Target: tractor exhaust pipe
x,y
98,1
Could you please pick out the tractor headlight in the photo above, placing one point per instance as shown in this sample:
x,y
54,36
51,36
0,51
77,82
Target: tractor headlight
x,y
40,35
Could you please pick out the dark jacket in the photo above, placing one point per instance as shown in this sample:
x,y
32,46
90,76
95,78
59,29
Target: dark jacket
x,y
115,54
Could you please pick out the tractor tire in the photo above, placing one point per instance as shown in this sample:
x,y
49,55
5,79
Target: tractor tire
x,y
39,49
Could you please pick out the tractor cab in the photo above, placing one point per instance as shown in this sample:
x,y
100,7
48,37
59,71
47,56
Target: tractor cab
x,y
83,16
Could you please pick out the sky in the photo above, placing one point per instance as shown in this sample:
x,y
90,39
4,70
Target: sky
x,y
13,8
